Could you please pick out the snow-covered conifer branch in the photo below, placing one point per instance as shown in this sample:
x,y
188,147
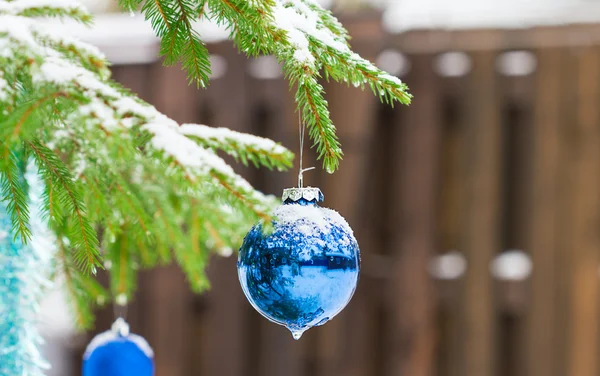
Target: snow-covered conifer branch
x,y
258,150
46,8
113,163
306,38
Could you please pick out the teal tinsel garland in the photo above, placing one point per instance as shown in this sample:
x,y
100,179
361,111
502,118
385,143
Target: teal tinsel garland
x,y
22,280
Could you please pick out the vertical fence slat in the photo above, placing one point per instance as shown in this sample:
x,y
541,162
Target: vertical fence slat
x,y
541,334
517,93
583,239
479,233
223,347
450,220
167,317
410,290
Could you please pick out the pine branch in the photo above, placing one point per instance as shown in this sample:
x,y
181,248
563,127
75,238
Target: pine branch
x,y
98,205
24,120
122,267
173,23
195,55
162,245
358,71
329,20
193,263
258,150
155,12
66,9
241,196
248,24
51,207
70,48
147,257
320,127
13,193
307,38
130,5
87,256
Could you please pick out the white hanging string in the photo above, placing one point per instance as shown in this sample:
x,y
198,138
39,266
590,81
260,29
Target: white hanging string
x,y
302,131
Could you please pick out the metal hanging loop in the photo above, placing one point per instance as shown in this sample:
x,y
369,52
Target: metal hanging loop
x,y
301,177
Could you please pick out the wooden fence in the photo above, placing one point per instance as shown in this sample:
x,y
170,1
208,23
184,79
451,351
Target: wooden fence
x,y
499,151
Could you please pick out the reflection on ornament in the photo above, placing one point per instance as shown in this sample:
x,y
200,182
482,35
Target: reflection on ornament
x,y
118,353
305,271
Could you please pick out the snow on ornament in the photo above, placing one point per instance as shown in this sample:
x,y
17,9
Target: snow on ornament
x,y
303,271
117,352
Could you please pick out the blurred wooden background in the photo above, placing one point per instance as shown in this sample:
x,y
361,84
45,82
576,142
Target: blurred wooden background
x,y
499,151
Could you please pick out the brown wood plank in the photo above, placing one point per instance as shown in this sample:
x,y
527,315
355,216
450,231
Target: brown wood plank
x,y
222,349
541,333
410,290
569,106
480,226
450,220
583,239
517,93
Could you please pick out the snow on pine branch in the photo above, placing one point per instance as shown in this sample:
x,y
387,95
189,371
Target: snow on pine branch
x,y
311,43
53,8
42,41
302,22
305,21
240,145
111,108
118,111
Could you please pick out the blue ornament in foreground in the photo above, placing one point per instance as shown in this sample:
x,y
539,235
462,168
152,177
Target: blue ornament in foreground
x,y
118,353
305,271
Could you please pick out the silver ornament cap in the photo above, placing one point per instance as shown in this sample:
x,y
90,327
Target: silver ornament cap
x,y
297,194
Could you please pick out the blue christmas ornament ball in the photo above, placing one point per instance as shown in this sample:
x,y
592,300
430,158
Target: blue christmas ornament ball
x,y
118,353
303,272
